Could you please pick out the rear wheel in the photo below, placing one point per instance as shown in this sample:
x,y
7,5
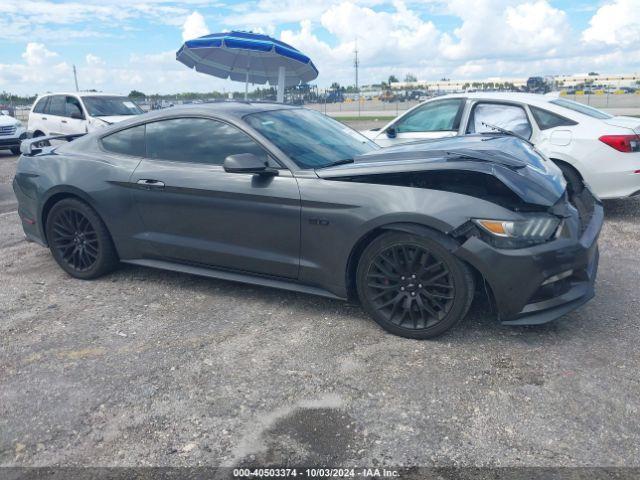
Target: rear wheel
x,y
412,286
79,241
15,150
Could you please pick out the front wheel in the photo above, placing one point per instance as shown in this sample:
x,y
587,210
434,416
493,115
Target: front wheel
x,y
79,240
412,286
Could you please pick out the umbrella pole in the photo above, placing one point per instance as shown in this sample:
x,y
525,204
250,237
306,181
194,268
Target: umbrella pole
x,y
280,98
246,86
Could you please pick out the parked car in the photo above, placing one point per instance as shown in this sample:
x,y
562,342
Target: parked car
x,y
78,112
12,132
587,144
286,197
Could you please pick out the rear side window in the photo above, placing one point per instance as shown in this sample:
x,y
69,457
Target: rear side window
x,y
509,117
56,106
126,142
197,140
546,119
40,106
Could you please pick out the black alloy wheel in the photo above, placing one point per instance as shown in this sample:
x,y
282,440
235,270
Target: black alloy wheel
x,y
412,286
79,240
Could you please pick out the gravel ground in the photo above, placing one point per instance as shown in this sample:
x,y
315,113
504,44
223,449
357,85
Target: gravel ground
x,y
145,367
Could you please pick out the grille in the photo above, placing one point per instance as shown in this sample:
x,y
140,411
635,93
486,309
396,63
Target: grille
x,y
8,130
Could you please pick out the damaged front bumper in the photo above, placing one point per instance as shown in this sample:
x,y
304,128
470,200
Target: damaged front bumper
x,y
541,283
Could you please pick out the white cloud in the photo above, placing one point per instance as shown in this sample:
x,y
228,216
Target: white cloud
x,y
493,28
616,23
94,60
194,26
37,55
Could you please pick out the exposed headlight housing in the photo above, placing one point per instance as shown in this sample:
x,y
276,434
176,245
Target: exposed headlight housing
x,y
520,233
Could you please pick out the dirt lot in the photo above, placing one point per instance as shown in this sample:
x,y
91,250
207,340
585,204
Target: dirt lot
x,y
145,367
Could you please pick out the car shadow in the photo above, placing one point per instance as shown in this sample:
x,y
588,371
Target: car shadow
x,y
622,209
480,324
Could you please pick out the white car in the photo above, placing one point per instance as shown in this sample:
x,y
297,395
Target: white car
x,y
12,132
587,144
78,112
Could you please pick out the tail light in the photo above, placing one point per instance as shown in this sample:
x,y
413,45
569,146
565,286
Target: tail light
x,y
622,143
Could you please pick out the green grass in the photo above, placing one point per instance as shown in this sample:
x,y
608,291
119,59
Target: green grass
x,y
363,118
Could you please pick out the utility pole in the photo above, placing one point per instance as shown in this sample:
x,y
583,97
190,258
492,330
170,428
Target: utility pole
x,y
75,77
356,64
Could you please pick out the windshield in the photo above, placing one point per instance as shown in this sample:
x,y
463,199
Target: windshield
x,y
110,106
581,108
310,139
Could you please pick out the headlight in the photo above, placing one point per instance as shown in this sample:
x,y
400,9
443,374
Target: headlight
x,y
521,233
18,124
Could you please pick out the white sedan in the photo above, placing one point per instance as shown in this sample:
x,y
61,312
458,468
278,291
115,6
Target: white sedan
x,y
587,144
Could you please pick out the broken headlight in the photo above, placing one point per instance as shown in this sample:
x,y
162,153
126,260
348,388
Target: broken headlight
x,y
519,233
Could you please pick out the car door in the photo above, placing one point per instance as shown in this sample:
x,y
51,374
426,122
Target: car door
x,y
509,116
54,113
195,212
73,120
435,119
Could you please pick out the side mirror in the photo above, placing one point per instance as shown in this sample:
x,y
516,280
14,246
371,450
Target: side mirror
x,y
77,115
391,132
248,163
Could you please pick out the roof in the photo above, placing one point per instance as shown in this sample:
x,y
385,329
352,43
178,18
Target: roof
x,y
234,108
530,98
82,94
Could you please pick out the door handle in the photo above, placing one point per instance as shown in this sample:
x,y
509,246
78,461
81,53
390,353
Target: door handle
x,y
149,183
63,121
44,118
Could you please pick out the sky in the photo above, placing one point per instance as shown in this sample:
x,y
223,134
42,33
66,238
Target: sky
x,y
121,45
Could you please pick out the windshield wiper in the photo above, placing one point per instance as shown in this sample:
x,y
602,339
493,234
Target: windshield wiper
x,y
506,132
344,161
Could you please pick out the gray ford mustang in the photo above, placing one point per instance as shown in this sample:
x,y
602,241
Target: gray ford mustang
x,y
286,197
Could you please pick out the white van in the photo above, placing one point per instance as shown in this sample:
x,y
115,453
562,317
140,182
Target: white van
x,y
78,112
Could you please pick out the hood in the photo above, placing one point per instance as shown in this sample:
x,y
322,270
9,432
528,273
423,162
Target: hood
x,y
626,122
533,178
7,121
113,118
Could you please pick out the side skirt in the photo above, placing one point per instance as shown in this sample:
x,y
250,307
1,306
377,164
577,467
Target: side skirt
x,y
234,277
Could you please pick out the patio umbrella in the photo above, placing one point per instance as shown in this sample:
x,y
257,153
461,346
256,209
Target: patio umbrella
x,y
248,57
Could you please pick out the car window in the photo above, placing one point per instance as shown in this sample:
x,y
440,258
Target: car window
x,y
309,138
106,106
40,106
581,108
546,119
56,106
127,142
72,105
509,117
443,115
197,140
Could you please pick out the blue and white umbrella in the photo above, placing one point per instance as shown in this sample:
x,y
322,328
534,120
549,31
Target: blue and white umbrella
x,y
248,57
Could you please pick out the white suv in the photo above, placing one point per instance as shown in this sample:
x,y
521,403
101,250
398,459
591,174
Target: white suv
x,y
587,144
12,132
79,112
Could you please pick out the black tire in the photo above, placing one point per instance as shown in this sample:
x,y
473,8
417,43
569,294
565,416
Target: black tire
x,y
574,181
15,150
412,286
79,240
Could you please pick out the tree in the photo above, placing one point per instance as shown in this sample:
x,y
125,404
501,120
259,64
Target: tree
x,y
593,74
392,79
135,94
410,77
335,86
